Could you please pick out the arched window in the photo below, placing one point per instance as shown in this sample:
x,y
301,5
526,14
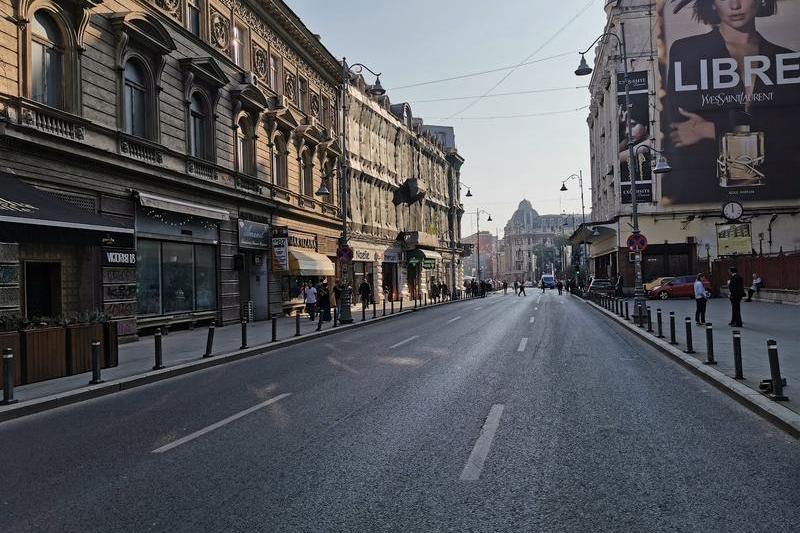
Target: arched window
x,y
329,182
279,169
199,126
245,148
134,100
47,60
307,174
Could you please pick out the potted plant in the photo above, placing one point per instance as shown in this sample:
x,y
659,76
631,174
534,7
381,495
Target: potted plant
x,y
82,330
45,348
9,338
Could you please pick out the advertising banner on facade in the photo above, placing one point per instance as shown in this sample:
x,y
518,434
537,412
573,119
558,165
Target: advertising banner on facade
x,y
280,249
734,239
639,117
730,99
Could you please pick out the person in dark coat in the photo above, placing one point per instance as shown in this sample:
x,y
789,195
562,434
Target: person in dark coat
x,y
736,290
560,287
618,287
324,304
365,290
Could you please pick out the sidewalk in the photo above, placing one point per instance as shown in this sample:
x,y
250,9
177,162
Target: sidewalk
x,y
762,321
183,346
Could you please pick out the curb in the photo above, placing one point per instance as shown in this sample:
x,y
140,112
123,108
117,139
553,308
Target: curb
x,y
53,401
781,416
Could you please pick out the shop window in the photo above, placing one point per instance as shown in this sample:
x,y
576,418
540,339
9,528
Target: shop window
x,y
245,147
47,60
199,127
175,277
279,163
134,105
42,290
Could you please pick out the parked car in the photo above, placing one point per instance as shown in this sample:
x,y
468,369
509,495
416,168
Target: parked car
x,y
549,281
650,285
601,286
680,287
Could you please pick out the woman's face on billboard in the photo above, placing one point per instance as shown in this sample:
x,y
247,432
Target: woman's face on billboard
x,y
737,13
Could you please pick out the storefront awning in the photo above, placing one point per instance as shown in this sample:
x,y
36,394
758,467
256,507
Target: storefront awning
x,y
21,203
419,253
180,206
304,262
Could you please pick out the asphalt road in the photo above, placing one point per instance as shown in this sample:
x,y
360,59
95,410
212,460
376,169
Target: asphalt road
x,y
443,420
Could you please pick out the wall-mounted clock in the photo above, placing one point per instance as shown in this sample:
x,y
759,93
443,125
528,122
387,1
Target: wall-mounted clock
x,y
732,210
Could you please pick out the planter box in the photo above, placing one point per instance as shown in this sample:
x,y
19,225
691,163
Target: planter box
x,y
45,354
10,339
111,344
79,347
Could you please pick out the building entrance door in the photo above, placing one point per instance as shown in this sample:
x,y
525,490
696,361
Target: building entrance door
x,y
42,289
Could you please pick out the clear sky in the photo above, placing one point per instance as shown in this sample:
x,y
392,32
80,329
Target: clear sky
x,y
413,41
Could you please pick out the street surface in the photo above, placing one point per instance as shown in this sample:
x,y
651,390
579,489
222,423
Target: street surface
x,y
503,414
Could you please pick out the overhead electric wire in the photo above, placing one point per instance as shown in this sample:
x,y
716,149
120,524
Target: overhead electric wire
x,y
482,72
545,43
532,91
523,115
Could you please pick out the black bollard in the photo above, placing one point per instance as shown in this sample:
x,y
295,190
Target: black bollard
x,y
639,316
274,329
210,340
710,344
95,363
297,324
373,310
737,355
659,324
415,302
689,347
384,307
775,372
649,320
8,377
335,317
401,305
244,334
425,300
159,363
392,306
627,314
672,339
363,311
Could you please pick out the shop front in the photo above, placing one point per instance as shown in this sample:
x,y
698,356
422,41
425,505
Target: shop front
x,y
252,266
297,264
177,250
421,265
390,273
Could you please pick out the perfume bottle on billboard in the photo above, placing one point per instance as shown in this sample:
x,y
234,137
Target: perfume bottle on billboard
x,y
741,157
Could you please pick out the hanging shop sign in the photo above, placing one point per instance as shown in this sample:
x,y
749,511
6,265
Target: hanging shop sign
x,y
280,249
253,234
391,256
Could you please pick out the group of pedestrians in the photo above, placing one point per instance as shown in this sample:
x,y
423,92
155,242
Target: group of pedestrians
x,y
319,300
477,288
736,293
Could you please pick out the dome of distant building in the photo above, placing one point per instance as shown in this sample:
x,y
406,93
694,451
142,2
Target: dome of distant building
x,y
525,206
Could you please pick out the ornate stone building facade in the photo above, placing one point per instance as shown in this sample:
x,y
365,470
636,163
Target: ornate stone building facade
x,y
530,243
158,147
405,212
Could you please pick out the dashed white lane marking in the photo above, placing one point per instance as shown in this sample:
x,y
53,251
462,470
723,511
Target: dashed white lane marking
x,y
532,319
405,341
476,308
472,470
454,319
522,343
217,425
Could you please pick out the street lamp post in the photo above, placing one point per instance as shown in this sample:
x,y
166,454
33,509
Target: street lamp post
x,y
345,315
584,70
579,177
478,238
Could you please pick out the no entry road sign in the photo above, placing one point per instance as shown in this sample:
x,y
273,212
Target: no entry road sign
x,y
637,242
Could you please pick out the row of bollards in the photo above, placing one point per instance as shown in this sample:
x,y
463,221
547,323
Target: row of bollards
x,y
642,317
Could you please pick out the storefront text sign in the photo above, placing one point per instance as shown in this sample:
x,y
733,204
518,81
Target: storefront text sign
x,y
303,240
391,256
253,234
119,257
280,249
362,255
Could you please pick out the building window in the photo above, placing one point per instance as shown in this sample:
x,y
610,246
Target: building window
x,y
193,16
47,60
307,174
302,93
237,45
280,175
324,114
245,148
199,127
175,277
274,76
134,102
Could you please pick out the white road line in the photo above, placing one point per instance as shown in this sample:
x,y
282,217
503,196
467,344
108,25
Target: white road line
x,y
405,341
472,470
476,308
217,425
454,319
532,319
522,343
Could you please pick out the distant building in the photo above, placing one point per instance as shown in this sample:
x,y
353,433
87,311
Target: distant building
x,y
488,263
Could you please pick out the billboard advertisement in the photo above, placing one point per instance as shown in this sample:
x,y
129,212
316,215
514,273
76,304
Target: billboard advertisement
x,y
730,99
639,117
734,239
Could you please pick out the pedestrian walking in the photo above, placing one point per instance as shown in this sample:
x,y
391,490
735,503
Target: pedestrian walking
x,y
522,289
541,284
560,287
618,287
434,291
364,291
311,302
736,293
755,287
516,288
324,303
700,301
337,295
505,287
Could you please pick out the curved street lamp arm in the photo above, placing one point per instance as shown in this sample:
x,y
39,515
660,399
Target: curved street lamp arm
x,y
648,147
606,34
357,68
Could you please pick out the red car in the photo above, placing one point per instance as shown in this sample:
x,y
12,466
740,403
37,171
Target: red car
x,y
680,287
